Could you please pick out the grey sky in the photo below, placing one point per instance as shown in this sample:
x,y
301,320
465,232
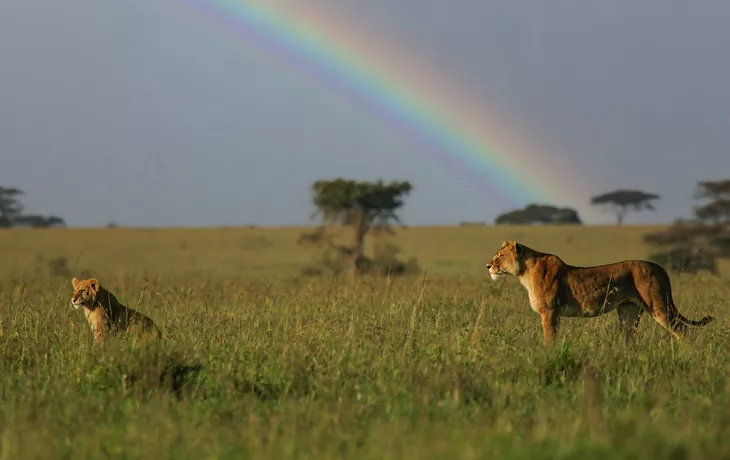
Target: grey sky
x,y
143,112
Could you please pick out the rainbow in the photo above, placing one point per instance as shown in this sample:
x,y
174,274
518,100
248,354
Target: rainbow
x,y
418,102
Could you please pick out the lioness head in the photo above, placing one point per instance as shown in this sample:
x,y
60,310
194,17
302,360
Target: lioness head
x,y
506,261
85,292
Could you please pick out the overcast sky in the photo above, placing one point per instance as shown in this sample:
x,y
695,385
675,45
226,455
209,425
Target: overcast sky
x,y
147,113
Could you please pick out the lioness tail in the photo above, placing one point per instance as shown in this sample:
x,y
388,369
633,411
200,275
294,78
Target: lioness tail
x,y
703,322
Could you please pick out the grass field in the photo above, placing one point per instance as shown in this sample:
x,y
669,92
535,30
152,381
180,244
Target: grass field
x,y
446,365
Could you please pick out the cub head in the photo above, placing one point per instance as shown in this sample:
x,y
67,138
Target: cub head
x,y
507,261
85,292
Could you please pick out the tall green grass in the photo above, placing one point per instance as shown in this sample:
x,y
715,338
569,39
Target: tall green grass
x,y
446,365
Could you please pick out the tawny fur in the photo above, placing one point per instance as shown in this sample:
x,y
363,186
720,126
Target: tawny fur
x,y
106,315
556,289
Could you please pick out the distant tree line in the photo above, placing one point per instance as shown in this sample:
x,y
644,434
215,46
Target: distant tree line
x,y
371,207
539,214
618,202
12,215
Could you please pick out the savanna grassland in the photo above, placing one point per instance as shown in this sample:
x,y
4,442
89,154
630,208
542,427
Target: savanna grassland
x,y
261,362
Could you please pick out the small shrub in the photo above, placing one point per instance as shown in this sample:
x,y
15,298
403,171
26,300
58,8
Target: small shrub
x,y
686,260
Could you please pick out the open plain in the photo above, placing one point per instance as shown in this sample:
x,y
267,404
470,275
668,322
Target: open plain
x,y
259,361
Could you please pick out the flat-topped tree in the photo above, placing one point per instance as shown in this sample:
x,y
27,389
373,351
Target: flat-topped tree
x,y
361,205
620,202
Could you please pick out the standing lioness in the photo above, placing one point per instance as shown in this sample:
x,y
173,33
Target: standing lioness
x,y
557,289
106,314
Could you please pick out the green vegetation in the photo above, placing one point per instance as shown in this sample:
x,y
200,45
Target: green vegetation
x,y
364,206
693,245
444,364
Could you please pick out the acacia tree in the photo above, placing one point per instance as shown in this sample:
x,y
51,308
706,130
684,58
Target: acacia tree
x,y
361,205
621,202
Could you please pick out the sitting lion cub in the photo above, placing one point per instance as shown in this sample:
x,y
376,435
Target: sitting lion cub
x,y
557,289
105,314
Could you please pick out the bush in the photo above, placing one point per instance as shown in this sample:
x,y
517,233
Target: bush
x,y
686,260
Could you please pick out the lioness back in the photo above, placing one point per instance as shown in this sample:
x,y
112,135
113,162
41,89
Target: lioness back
x,y
590,291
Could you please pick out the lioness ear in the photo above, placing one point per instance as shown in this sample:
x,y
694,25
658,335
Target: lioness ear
x,y
94,283
504,243
74,282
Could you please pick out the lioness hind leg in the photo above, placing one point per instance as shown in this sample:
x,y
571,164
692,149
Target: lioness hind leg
x,y
657,296
629,315
668,317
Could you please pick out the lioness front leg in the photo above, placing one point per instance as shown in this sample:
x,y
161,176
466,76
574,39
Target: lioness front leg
x,y
550,323
98,330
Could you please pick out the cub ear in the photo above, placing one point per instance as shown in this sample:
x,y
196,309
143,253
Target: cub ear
x,y
74,282
94,283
